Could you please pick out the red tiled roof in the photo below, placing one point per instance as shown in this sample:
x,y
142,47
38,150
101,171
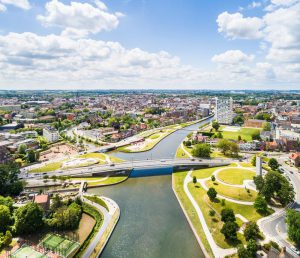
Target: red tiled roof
x,y
43,198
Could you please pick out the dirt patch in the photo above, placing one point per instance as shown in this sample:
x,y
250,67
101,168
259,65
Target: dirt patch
x,y
85,227
58,151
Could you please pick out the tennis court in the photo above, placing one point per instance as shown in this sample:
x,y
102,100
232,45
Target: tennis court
x,y
26,251
58,244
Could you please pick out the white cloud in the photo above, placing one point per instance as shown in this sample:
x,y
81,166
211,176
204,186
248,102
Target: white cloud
x,y
236,26
284,2
79,19
232,57
255,5
2,8
23,4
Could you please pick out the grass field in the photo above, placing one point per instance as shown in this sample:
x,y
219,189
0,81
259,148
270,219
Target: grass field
x,y
59,244
235,176
97,200
98,181
26,251
178,179
206,172
233,192
245,133
214,223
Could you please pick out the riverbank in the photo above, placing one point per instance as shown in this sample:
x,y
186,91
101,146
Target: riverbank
x,y
110,212
156,136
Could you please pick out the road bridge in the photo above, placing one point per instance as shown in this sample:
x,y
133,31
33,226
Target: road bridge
x,y
140,164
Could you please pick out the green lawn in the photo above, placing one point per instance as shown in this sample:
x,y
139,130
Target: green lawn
x,y
97,200
178,179
235,176
204,172
245,133
233,192
214,223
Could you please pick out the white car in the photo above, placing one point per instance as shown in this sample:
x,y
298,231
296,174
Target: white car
x,y
295,250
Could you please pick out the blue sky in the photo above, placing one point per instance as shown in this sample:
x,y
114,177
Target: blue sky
x,y
210,43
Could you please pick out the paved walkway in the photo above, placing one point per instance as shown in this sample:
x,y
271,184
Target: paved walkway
x,y
217,251
246,183
185,151
107,217
202,182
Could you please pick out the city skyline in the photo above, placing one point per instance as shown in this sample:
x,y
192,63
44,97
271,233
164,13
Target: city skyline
x,y
149,45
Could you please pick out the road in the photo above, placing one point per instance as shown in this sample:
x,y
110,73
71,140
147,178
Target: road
x,y
128,166
275,227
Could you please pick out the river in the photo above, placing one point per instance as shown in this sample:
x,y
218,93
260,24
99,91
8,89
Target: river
x,y
152,224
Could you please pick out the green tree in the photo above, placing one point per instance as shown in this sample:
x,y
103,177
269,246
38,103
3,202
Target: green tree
x,y
252,248
266,126
215,125
31,156
253,161
273,164
201,150
251,231
229,230
259,182
293,223
212,193
194,180
7,201
29,219
9,181
5,218
223,145
213,178
227,214
22,149
255,135
261,204
238,120
242,252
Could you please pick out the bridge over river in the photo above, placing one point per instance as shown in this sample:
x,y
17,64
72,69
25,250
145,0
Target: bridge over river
x,y
138,164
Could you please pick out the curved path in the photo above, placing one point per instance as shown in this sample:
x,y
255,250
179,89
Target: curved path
x,y
107,217
204,186
246,183
217,251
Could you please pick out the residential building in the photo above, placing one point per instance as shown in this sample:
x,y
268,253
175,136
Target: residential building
x,y
42,200
224,110
295,159
51,134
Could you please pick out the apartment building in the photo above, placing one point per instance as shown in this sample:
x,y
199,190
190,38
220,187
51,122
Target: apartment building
x,y
224,110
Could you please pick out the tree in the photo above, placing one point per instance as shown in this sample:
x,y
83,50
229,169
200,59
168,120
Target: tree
x,y
9,181
273,164
223,145
253,161
219,135
5,218
274,185
252,248
229,230
293,223
238,120
56,203
259,182
201,150
251,231
213,178
22,149
29,218
261,204
266,126
194,180
255,135
239,138
212,193
242,252
227,214
31,156
215,125
7,201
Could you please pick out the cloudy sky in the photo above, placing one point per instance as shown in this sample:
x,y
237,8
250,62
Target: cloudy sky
x,y
159,44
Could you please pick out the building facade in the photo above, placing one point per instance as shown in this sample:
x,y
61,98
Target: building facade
x,y
51,134
224,110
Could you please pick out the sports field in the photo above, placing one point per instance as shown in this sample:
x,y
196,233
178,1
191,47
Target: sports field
x,y
59,244
26,251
